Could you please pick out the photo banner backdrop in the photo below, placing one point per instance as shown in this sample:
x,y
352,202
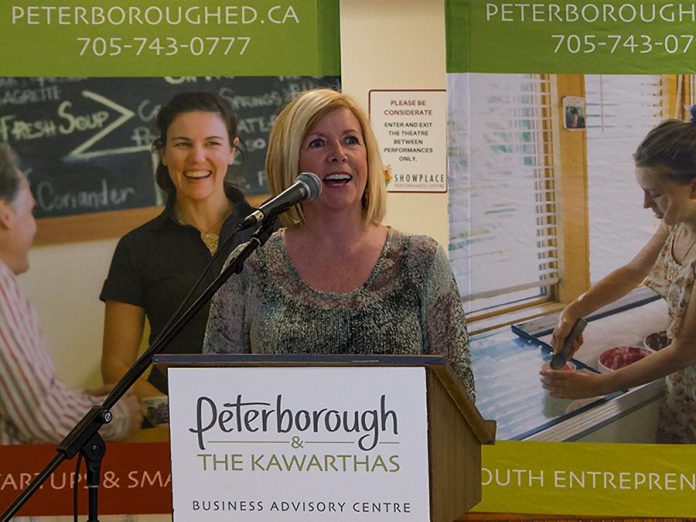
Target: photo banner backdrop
x,y
86,143
60,55
184,38
566,78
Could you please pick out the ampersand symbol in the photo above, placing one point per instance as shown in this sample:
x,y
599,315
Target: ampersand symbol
x,y
297,443
110,480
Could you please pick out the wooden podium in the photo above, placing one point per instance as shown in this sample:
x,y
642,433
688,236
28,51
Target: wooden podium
x,y
455,428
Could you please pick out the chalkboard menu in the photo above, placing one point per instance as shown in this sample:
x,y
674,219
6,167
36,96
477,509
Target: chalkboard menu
x,y
85,143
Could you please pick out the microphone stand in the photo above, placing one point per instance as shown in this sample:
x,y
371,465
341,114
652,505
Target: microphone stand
x,y
84,438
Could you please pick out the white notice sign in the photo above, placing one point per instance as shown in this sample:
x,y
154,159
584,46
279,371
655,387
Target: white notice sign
x,y
299,444
411,129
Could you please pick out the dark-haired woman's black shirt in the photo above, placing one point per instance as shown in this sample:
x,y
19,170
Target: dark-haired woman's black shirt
x,y
156,265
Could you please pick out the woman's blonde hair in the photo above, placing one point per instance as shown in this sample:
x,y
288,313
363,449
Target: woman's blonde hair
x,y
289,130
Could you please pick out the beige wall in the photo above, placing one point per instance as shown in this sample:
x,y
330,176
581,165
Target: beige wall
x,y
397,44
63,283
386,44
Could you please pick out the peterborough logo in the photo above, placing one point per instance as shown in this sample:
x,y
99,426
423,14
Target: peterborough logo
x,y
254,417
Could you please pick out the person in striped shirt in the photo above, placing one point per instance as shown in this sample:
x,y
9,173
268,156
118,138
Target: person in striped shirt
x,y
35,406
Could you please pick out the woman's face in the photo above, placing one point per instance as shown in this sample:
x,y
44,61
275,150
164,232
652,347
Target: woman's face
x,y
334,149
671,202
197,154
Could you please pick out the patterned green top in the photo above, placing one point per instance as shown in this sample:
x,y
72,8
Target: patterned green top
x,y
409,305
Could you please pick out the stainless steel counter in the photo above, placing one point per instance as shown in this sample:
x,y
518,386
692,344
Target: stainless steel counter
x,y
508,389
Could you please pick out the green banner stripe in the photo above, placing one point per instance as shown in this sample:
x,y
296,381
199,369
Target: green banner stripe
x,y
329,41
173,38
571,36
574,478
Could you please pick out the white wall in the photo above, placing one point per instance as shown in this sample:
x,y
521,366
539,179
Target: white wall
x,y
386,44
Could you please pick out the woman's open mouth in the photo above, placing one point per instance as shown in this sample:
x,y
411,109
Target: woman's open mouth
x,y
336,180
197,174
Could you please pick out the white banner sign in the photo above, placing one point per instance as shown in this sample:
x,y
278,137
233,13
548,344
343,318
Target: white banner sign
x,y
299,444
411,129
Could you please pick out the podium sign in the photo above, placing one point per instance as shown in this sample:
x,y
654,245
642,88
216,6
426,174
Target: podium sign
x,y
299,444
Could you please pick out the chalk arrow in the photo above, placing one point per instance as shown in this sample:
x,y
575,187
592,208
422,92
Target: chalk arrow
x,y
82,151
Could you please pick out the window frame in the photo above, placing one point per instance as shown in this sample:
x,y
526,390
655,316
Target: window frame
x,y
571,173
508,313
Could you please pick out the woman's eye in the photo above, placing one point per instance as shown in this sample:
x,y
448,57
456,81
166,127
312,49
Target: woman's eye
x,y
317,142
352,140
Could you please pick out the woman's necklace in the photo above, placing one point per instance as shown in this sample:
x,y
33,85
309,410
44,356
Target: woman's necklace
x,y
211,240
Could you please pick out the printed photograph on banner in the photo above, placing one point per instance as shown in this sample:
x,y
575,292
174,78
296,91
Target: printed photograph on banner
x,y
86,143
539,214
86,147
574,111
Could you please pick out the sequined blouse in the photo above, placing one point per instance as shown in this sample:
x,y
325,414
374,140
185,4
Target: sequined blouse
x,y
410,304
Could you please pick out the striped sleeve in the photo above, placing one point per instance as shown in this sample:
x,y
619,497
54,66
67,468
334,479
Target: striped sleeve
x,y
35,406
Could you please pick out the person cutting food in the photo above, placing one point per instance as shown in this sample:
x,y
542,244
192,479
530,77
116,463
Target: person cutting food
x,y
666,171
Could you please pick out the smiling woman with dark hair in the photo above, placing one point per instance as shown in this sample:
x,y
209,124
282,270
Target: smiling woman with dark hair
x,y
156,265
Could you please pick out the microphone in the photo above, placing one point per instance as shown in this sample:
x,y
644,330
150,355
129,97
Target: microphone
x,y
307,187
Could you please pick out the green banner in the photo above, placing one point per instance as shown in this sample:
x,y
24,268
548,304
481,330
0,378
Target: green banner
x,y
575,478
169,37
571,36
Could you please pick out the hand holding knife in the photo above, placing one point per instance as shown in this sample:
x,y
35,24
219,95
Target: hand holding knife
x,y
559,359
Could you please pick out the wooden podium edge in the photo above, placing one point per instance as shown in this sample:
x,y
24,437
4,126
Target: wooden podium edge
x,y
484,429
455,429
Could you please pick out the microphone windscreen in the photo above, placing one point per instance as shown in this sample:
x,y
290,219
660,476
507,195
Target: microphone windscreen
x,y
313,184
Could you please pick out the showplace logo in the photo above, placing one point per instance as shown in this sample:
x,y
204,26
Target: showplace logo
x,y
253,417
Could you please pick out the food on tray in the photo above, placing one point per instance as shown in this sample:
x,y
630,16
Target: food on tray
x,y
621,356
656,340
568,367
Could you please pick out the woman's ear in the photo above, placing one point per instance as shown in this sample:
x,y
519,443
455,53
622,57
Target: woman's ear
x,y
162,157
233,151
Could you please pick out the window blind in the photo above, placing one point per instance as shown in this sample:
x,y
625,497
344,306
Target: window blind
x,y
621,109
502,207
